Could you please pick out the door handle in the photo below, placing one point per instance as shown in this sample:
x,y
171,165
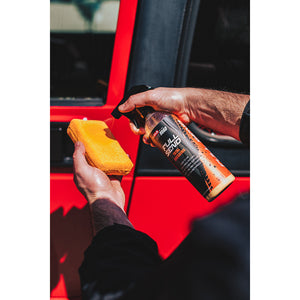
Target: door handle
x,y
215,139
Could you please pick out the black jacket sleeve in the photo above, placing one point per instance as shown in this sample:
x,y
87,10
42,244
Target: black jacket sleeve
x,y
211,263
245,125
117,257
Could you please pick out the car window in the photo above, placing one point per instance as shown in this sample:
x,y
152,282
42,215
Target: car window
x,y
220,54
219,59
82,35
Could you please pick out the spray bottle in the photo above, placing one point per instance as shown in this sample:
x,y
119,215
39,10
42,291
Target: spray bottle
x,y
205,172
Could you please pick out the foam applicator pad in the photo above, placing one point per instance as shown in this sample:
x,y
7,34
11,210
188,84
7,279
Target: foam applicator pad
x,y
103,151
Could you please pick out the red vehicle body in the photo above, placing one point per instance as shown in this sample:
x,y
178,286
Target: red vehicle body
x,y
162,205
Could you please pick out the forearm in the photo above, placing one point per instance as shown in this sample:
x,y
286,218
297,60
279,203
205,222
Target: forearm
x,y
217,110
106,213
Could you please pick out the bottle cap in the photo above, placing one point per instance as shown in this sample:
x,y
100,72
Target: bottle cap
x,y
138,115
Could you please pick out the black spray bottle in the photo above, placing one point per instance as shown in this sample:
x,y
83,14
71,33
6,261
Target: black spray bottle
x,y
206,173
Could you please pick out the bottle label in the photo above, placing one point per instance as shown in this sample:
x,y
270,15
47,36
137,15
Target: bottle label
x,y
188,154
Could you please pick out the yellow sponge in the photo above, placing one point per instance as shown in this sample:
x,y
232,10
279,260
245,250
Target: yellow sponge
x,y
103,151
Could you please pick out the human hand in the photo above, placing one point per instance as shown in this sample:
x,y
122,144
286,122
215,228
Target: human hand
x,y
217,110
93,183
170,100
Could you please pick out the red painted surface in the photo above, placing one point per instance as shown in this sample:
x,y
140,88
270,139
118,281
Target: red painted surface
x,y
66,298
123,39
71,229
163,207
70,233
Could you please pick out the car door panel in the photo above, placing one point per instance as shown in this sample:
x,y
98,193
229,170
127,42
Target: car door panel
x,y
164,207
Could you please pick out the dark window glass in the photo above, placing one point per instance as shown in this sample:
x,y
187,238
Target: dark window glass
x,y
220,56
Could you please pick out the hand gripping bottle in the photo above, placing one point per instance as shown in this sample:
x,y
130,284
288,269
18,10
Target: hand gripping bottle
x,y
205,172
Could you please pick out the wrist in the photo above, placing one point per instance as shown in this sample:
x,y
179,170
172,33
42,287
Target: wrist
x,y
115,197
217,110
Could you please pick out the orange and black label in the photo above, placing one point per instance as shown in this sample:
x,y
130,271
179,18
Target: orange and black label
x,y
188,154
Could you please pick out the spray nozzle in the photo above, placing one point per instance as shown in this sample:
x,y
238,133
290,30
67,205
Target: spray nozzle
x,y
136,116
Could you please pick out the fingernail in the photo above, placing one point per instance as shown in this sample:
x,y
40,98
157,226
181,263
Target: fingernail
x,y
122,107
145,140
77,144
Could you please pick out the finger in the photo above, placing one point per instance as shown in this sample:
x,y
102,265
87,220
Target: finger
x,y
137,131
114,178
115,181
138,100
146,140
184,118
79,161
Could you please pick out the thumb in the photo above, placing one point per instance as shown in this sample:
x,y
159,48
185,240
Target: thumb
x,y
79,161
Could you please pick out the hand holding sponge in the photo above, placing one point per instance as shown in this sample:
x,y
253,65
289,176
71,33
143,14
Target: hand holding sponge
x,y
103,151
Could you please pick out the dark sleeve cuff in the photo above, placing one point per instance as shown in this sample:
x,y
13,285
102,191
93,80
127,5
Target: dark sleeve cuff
x,y
245,125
